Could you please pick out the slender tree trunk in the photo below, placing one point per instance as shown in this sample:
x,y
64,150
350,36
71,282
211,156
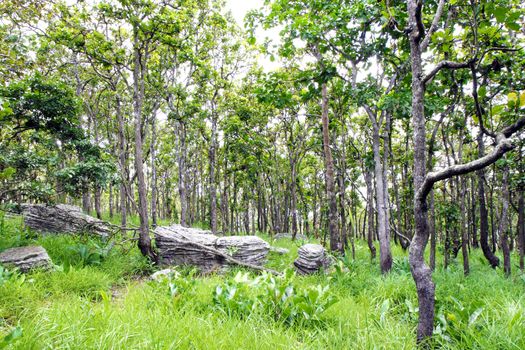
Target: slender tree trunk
x,y
370,214
421,273
475,243
385,254
153,171
182,174
342,213
483,214
293,195
335,240
212,185
98,195
464,228
521,229
144,242
122,163
335,243
502,228
110,201
432,231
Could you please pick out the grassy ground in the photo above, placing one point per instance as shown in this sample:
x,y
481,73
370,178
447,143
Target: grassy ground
x,y
95,300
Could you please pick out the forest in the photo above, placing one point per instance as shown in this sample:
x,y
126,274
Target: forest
x,y
322,174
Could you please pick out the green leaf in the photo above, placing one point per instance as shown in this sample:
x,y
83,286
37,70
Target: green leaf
x,y
474,316
513,26
482,92
14,334
500,13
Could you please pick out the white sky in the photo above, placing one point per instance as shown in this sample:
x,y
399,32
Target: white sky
x,y
239,9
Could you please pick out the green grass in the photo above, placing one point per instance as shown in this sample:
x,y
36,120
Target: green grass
x,y
109,304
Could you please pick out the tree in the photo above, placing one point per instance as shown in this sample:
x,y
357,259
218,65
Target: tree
x,y
419,40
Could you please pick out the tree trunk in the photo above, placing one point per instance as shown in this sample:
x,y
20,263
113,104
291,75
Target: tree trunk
x,y
502,228
521,229
293,194
421,273
144,241
335,244
122,164
483,215
153,171
213,188
182,174
385,254
370,213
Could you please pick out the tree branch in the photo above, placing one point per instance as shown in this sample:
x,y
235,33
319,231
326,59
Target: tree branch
x,y
503,146
433,26
446,64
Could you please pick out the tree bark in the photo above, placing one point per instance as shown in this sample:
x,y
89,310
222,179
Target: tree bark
x,y
370,214
483,214
521,229
335,242
212,185
182,174
153,170
421,273
502,228
144,241
122,163
385,255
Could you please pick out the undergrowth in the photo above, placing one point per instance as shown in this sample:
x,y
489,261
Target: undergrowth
x,y
100,298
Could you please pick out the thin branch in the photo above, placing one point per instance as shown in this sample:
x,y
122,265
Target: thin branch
x,y
446,64
433,26
503,146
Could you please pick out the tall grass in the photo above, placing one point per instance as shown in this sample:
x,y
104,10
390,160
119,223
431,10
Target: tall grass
x,y
110,305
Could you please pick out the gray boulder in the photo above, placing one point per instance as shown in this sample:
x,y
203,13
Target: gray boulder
x,y
179,245
285,235
162,274
62,218
279,250
26,258
312,258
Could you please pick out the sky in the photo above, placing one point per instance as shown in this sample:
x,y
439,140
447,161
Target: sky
x,y
239,9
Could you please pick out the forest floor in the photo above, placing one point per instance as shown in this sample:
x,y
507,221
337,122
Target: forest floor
x,y
93,301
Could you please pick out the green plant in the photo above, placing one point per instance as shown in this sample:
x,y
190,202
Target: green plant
x,y
10,276
273,295
233,297
178,283
87,254
401,266
11,337
455,320
291,304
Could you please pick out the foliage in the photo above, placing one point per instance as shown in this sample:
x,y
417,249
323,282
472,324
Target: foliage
x,y
68,308
276,296
41,132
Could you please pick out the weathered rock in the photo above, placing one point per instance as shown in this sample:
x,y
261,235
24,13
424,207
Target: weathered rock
x,y
312,258
298,236
175,247
278,250
160,275
26,258
62,218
